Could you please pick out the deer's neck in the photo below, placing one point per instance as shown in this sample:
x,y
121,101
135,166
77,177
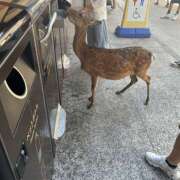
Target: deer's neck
x,y
79,43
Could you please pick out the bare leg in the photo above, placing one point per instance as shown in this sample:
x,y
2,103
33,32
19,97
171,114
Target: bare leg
x,y
93,86
114,4
168,164
174,157
133,81
170,8
157,2
178,9
167,4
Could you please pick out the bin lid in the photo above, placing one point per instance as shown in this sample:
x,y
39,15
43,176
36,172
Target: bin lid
x,y
14,20
9,9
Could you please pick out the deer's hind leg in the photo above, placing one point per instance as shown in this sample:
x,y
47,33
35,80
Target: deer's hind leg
x,y
133,81
147,79
93,87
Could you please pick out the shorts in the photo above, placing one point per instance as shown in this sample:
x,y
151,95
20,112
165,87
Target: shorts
x,y
97,35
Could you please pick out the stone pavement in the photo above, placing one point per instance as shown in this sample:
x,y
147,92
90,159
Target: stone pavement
x,y
109,141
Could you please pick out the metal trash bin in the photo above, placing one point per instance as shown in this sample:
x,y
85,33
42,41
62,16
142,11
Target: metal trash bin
x,y
26,149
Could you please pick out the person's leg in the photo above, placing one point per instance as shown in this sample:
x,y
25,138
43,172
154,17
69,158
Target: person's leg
x,y
157,2
113,4
178,9
174,157
170,8
167,4
168,14
169,164
177,12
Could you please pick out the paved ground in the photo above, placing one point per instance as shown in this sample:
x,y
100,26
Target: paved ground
x,y
108,142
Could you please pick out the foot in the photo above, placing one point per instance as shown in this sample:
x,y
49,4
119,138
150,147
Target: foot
x,y
167,16
173,18
160,162
176,64
118,92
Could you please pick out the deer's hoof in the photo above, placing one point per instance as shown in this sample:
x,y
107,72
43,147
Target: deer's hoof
x,y
90,99
89,106
146,103
118,92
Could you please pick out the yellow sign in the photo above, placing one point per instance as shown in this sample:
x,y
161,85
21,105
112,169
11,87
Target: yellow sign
x,y
135,22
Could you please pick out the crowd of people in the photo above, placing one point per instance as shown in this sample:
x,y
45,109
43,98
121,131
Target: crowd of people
x,y
169,14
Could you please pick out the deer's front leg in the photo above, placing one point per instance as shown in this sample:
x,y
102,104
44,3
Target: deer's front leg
x,y
93,87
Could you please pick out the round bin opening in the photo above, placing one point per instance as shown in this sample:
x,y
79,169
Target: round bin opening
x,y
16,84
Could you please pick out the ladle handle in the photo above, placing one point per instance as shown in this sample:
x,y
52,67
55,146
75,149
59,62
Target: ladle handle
x,y
50,28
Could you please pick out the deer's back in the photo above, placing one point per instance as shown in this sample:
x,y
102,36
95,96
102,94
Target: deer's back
x,y
115,63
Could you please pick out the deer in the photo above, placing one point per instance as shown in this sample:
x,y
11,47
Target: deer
x,y
112,64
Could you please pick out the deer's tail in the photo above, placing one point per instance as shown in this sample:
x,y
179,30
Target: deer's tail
x,y
152,56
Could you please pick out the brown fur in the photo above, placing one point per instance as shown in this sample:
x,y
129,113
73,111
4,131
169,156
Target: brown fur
x,y
111,64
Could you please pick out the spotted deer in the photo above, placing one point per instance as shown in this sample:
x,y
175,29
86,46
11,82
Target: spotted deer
x,y
113,64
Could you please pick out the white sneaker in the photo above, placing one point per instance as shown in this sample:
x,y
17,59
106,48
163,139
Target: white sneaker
x,y
160,162
175,64
174,17
167,16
